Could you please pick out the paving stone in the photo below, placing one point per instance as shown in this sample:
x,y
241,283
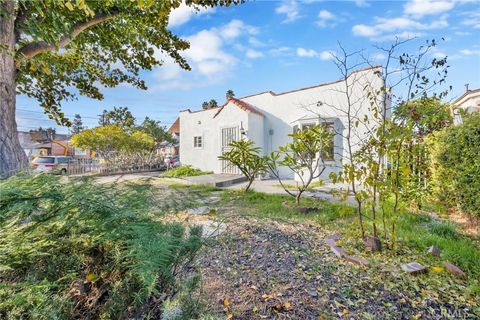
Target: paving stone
x,y
357,260
338,251
330,242
210,200
199,210
454,269
313,293
373,244
413,268
434,251
211,228
336,236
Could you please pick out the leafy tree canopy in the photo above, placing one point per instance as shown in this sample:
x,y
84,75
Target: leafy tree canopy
x,y
68,47
229,94
111,140
209,104
425,115
77,125
118,116
156,130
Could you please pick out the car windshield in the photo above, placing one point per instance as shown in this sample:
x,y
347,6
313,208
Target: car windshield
x,y
44,160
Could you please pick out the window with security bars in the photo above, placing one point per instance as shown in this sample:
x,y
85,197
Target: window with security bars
x,y
197,142
328,154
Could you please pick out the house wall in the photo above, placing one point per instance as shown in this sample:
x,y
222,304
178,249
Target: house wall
x,y
281,112
470,102
202,123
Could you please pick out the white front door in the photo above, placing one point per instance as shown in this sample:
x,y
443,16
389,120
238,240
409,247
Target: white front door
x,y
229,135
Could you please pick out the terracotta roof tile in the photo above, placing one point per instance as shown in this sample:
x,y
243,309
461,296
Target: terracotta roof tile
x,y
241,104
175,128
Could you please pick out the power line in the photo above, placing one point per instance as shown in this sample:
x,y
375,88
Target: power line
x,y
86,117
68,115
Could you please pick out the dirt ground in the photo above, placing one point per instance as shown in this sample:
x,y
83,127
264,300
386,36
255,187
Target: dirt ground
x,y
260,269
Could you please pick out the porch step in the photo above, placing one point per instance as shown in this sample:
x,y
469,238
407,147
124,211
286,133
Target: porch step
x,y
219,180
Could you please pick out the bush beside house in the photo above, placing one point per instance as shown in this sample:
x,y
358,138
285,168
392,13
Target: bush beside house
x,y
457,166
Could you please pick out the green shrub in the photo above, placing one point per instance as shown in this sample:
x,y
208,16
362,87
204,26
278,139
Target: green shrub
x,y
183,171
457,165
74,249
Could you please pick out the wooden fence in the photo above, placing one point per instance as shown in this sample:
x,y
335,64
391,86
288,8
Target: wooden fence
x,y
96,167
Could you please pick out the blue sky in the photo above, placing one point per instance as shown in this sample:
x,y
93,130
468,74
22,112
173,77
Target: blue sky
x,y
279,46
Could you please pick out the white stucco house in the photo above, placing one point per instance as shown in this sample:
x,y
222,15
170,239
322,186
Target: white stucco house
x,y
469,102
268,117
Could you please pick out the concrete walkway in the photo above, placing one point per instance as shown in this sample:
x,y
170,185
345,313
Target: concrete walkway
x,y
271,186
236,182
216,180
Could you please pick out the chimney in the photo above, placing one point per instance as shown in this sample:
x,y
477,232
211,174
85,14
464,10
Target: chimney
x,y
466,87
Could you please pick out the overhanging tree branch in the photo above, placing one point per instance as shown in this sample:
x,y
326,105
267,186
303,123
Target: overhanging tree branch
x,y
32,49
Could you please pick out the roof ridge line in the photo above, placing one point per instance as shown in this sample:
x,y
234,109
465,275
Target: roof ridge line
x,y
310,87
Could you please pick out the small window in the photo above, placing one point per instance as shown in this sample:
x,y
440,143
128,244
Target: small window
x,y
308,125
197,142
328,154
44,160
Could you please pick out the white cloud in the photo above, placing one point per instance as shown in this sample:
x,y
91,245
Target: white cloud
x,y
402,28
469,52
436,53
253,54
326,55
325,14
235,28
290,9
255,42
280,51
301,52
420,8
184,13
310,53
324,17
473,19
361,3
210,57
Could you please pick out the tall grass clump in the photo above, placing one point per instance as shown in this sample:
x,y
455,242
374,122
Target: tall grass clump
x,y
71,249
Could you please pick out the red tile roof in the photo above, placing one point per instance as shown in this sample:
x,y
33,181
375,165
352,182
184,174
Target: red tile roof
x,y
241,104
175,128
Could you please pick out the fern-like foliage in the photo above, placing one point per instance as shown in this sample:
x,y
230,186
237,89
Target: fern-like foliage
x,y
76,249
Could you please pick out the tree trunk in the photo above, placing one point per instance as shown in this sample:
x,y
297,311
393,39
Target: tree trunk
x,y
12,156
250,181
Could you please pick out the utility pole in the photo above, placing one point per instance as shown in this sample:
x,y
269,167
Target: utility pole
x,y
101,119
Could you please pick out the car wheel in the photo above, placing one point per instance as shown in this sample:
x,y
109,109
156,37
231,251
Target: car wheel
x,y
63,171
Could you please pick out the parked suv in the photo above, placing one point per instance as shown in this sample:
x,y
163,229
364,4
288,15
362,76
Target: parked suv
x,y
52,164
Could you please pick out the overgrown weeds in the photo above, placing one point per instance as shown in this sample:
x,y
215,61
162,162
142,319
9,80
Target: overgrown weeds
x,y
418,231
72,249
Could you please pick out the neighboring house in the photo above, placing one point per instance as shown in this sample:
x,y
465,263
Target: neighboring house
x,y
268,118
169,149
469,102
174,130
36,144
